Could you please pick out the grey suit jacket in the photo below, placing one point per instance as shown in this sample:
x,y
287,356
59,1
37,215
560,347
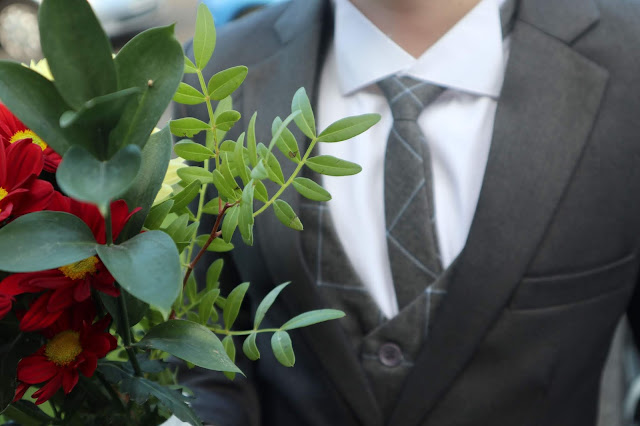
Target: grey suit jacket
x,y
551,260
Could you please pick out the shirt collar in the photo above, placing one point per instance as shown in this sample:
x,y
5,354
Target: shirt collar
x,y
469,57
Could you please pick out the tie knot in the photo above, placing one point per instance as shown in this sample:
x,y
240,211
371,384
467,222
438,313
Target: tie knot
x,y
407,96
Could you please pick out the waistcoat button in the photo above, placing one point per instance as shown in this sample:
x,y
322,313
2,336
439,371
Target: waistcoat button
x,y
390,354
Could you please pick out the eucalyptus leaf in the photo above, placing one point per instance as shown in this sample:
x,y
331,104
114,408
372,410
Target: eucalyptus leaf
x,y
142,193
204,41
77,50
266,304
286,215
305,121
192,151
85,178
310,189
44,240
224,83
187,127
250,348
188,95
348,128
37,103
312,317
147,266
332,166
136,309
283,348
232,307
154,62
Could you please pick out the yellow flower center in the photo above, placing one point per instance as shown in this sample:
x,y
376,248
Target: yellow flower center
x,y
28,134
63,348
79,270
3,193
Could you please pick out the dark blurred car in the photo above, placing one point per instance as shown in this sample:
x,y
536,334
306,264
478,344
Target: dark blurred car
x,y
20,38
224,11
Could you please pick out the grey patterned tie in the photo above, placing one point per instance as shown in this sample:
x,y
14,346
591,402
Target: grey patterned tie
x,y
408,190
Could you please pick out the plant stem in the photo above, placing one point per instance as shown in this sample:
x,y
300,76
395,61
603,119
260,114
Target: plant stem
x,y
125,330
289,181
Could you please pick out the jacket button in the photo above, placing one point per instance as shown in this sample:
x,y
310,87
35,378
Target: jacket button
x,y
390,354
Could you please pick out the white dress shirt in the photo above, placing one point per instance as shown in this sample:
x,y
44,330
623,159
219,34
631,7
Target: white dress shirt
x,y
469,61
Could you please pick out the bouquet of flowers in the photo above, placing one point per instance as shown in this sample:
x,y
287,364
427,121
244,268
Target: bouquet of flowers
x,y
99,229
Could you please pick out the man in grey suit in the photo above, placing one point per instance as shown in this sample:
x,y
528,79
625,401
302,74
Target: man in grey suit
x,y
532,253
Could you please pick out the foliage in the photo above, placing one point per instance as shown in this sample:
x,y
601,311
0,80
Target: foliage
x,y
128,264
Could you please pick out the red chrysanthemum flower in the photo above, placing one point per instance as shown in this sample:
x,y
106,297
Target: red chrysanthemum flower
x,y
21,191
74,345
70,284
13,130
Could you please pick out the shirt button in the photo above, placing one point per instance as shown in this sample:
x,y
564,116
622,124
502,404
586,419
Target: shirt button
x,y
390,355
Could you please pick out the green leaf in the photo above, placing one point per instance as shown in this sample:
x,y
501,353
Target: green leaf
x,y
189,67
192,151
281,128
230,349
155,161
26,413
286,143
85,178
212,207
44,240
251,140
157,214
136,309
189,174
191,342
312,317
224,83
261,191
259,172
283,349
13,346
153,61
187,127
305,121
286,215
271,164
224,105
77,50
332,166
227,119
36,101
230,223
311,189
147,266
245,219
238,159
204,41
232,307
213,274
348,127
217,245
184,197
250,348
266,304
177,229
140,389
191,289
188,95
206,305
222,186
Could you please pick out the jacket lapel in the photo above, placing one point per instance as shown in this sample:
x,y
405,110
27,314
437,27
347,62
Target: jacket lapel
x,y
550,97
296,65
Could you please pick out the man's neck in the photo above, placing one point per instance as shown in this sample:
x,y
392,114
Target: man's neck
x,y
415,25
